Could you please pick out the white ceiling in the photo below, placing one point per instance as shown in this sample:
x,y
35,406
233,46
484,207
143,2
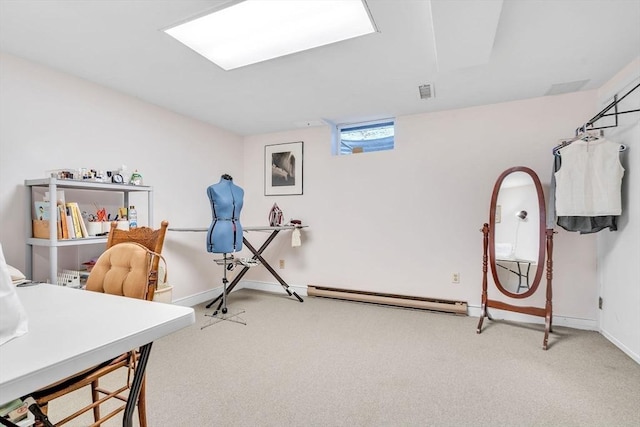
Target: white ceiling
x,y
488,51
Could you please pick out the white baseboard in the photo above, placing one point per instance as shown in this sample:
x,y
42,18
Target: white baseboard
x,y
624,348
473,310
193,300
569,322
211,294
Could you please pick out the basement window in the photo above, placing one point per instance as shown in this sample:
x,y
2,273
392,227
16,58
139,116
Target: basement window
x,y
364,137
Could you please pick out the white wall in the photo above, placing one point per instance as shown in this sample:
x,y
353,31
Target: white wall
x,y
399,221
403,221
619,252
50,120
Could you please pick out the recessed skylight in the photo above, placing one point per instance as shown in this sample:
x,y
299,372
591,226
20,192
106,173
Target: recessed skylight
x,y
253,31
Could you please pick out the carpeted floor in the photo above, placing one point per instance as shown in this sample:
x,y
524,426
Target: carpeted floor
x,y
334,363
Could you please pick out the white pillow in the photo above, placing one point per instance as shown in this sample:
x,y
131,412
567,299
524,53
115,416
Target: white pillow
x,y
13,317
16,275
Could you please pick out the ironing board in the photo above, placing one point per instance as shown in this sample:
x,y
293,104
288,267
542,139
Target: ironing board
x,y
257,255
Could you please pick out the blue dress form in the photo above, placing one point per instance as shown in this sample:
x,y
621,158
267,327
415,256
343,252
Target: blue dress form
x,y
225,231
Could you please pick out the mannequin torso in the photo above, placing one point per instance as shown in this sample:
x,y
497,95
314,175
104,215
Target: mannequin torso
x,y
225,232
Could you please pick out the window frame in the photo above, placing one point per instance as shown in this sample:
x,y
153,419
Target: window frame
x,y
371,124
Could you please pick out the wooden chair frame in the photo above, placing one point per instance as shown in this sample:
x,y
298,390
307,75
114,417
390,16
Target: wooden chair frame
x,y
152,241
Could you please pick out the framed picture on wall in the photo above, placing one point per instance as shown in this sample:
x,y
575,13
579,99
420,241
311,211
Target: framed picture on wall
x,y
283,169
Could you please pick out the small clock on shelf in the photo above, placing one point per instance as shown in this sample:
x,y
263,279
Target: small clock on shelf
x,y
117,179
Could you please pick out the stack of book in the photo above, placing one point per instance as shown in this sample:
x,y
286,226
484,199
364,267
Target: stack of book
x,y
69,220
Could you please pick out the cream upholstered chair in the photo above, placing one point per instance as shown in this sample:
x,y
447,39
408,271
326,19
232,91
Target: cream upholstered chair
x,y
124,269
150,238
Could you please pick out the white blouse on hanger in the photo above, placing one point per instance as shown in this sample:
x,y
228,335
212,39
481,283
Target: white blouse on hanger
x,y
589,181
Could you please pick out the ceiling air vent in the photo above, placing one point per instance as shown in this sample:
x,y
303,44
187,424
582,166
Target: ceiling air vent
x,y
568,87
426,91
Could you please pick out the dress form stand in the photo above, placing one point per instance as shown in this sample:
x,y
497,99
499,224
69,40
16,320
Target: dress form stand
x,y
225,237
224,313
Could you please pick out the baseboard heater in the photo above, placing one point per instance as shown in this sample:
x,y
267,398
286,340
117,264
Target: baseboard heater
x,y
447,306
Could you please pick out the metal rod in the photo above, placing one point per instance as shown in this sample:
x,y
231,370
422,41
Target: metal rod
x,y
613,104
244,270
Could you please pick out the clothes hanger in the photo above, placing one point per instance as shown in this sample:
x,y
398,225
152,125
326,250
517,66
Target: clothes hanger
x,y
586,135
590,135
583,134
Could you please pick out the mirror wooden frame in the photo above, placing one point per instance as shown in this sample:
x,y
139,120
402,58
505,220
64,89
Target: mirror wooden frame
x,y
545,247
541,232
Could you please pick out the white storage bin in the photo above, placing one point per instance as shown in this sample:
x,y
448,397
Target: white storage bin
x,y
164,293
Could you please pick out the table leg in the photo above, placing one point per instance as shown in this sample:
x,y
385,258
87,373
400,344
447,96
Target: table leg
x,y
136,385
519,273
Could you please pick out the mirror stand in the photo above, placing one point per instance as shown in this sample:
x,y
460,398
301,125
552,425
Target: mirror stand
x,y
517,241
545,312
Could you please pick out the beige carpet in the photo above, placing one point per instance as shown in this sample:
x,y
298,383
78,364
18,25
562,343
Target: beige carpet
x,y
334,363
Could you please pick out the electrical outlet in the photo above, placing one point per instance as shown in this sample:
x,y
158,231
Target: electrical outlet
x,y
455,278
281,264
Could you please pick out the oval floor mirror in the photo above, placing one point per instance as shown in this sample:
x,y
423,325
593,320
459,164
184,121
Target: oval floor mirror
x,y
516,245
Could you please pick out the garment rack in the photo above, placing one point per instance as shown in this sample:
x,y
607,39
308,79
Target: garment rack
x,y
605,113
587,128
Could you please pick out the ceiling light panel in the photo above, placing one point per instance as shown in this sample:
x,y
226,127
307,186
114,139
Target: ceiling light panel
x,y
253,31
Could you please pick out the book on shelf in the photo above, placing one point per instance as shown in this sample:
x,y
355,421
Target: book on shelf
x,y
76,217
77,213
41,211
70,228
59,225
62,218
83,226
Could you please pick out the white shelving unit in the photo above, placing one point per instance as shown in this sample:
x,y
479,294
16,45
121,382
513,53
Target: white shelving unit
x,y
53,243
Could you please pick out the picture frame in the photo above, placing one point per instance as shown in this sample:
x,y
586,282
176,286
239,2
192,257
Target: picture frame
x,y
283,169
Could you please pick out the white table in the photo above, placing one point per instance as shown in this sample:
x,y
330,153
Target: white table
x,y
519,273
71,330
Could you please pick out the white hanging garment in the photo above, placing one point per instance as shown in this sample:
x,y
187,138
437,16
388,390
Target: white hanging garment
x,y
295,238
13,317
589,181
